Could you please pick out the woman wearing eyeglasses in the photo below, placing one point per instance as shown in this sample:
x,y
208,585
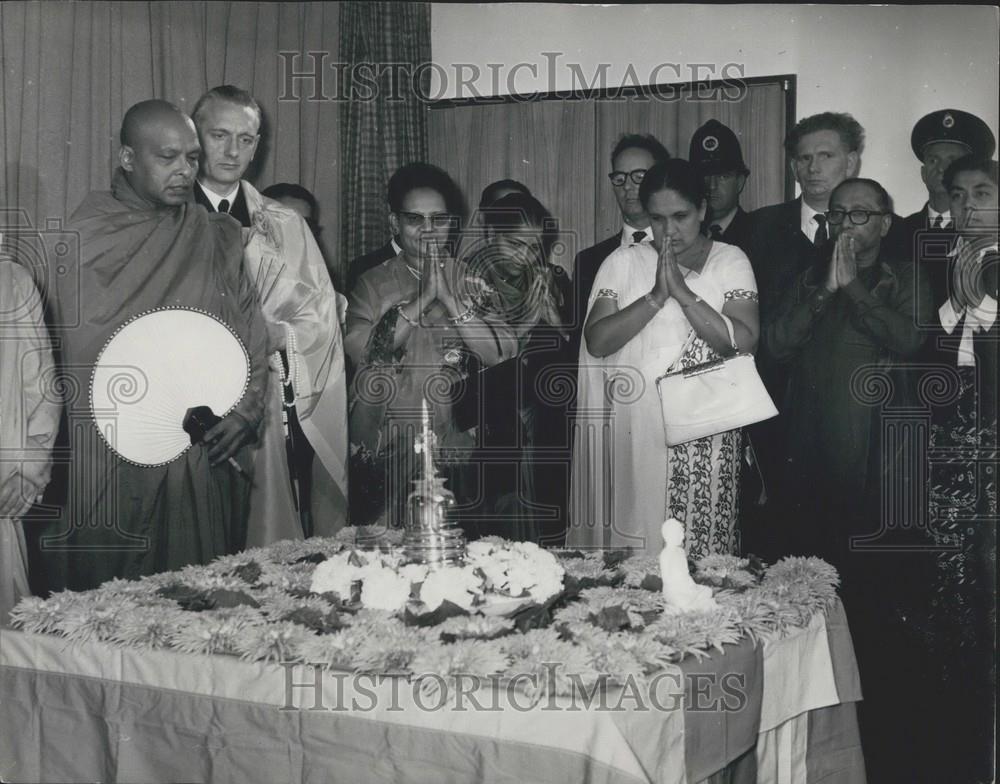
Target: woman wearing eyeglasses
x,y
690,300
412,323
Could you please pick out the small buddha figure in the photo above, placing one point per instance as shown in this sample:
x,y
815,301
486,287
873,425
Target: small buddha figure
x,y
682,593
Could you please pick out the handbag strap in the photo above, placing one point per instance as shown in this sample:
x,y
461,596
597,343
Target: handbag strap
x,y
689,340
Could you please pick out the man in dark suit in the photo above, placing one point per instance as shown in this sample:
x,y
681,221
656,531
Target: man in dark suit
x,y
786,240
631,158
823,151
938,139
716,152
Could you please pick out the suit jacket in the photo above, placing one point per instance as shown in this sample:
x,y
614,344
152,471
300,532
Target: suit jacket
x,y
779,252
238,209
585,267
362,264
929,248
739,230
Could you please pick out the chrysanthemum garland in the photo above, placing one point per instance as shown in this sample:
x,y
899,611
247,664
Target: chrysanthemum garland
x,y
514,611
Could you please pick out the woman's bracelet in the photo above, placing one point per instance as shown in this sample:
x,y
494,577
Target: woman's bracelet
x,y
401,310
462,318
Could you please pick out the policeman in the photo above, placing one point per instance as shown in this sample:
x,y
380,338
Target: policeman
x,y
716,152
938,139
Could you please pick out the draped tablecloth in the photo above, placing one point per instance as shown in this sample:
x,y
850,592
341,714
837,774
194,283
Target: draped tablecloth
x,y
782,711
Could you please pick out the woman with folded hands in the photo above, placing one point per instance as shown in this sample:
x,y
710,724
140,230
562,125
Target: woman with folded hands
x,y
686,301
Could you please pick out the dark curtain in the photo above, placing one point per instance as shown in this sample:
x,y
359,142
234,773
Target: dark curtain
x,y
70,70
388,128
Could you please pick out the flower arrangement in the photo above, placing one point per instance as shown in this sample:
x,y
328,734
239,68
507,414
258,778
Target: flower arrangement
x,y
511,609
494,569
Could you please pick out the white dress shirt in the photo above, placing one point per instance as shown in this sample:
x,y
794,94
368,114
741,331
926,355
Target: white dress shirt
x,y
628,234
807,224
932,215
978,318
230,197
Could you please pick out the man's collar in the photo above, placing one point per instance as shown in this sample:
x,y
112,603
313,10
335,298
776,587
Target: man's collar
x,y
725,220
806,222
214,199
933,213
628,233
396,247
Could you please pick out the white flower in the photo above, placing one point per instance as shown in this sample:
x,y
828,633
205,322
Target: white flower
x,y
458,584
339,573
478,550
517,568
383,589
415,573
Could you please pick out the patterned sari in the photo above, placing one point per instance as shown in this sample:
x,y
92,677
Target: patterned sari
x,y
390,386
625,479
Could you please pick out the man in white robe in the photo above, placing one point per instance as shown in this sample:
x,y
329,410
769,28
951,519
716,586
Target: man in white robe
x,y
307,385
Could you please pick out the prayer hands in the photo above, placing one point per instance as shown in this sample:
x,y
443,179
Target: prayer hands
x,y
438,270
667,275
843,265
974,274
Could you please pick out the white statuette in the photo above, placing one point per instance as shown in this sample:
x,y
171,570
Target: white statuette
x,y
681,592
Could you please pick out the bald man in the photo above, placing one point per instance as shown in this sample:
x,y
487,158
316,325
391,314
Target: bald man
x,y
144,245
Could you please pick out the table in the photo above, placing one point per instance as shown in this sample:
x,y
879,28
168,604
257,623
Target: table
x,y
782,711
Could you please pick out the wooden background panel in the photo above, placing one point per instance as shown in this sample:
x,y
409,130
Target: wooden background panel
x,y
561,149
758,120
547,145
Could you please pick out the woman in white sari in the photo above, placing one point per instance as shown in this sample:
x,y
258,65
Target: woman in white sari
x,y
644,306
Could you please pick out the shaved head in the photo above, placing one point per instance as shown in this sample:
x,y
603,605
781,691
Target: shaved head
x,y
159,152
150,114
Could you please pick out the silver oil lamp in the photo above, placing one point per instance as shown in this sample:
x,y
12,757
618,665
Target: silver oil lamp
x,y
430,537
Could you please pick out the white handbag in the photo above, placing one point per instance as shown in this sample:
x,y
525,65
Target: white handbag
x,y
712,397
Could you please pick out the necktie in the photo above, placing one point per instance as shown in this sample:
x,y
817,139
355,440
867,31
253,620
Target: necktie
x,y
820,238
938,222
224,205
715,230
638,236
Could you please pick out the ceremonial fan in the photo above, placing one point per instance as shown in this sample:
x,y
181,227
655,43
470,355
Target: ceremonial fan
x,y
156,379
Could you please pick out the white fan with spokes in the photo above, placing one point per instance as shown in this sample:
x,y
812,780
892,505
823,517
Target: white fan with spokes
x,y
154,369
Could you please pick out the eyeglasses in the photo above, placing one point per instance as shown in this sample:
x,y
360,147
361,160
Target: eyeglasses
x,y
618,177
858,217
438,220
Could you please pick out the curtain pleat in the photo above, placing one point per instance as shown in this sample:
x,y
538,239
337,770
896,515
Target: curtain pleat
x,y
379,135
70,71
